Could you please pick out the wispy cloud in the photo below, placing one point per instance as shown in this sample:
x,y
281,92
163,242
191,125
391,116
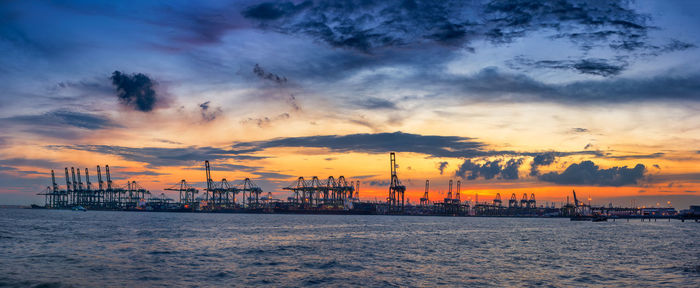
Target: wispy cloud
x,y
160,156
63,118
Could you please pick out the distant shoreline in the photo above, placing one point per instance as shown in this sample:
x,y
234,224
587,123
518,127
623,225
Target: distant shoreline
x,y
14,206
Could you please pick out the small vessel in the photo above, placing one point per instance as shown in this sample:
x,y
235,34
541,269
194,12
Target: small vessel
x,y
78,208
600,218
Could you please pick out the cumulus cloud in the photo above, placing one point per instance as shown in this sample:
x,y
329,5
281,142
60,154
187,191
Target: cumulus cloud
x,y
136,90
543,159
587,173
489,170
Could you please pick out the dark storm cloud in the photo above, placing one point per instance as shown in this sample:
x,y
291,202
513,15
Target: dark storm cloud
x,y
544,159
442,166
587,173
510,170
374,103
207,113
368,25
136,90
63,118
159,156
260,72
469,170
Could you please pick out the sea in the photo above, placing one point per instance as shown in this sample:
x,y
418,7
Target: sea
x,y
60,248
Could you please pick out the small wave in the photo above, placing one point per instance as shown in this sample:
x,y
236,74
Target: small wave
x,y
162,252
694,269
49,285
221,274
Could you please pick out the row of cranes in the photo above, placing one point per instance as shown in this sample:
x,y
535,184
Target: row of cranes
x,y
223,194
524,202
105,195
329,192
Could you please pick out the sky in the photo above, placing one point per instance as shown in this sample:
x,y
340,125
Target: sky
x,y
507,97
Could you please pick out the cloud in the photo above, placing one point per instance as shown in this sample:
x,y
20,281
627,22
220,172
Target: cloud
x,y
207,114
489,170
591,66
363,176
442,166
142,173
63,118
544,159
367,25
379,183
490,84
260,72
265,121
273,175
587,173
273,11
166,141
374,103
160,156
29,162
439,146
657,166
435,146
640,156
579,130
135,90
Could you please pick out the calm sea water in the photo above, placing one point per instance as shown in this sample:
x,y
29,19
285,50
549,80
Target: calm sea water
x,y
96,249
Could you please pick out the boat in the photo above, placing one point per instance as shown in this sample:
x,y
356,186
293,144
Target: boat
x,y
600,218
78,208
